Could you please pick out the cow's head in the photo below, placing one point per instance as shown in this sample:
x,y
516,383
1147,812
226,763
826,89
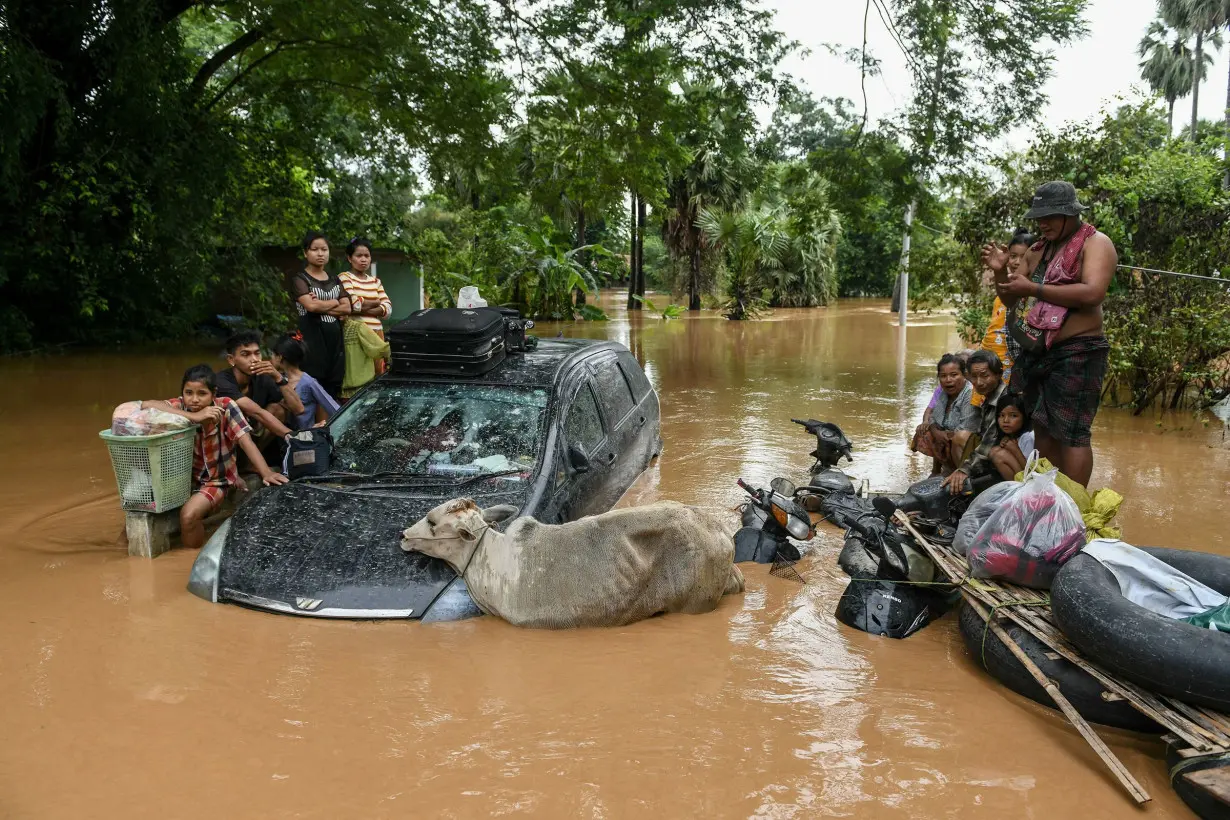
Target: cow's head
x,y
453,530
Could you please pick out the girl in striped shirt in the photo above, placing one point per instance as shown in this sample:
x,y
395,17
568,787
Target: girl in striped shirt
x,y
360,281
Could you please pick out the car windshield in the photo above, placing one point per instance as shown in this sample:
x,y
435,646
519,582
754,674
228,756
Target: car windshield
x,y
440,429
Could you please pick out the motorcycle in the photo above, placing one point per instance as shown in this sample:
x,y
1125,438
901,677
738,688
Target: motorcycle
x,y
770,519
832,492
899,597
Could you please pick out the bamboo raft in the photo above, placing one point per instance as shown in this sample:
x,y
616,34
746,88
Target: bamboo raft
x,y
1192,731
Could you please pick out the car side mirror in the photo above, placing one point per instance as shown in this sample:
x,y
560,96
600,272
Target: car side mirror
x,y
578,459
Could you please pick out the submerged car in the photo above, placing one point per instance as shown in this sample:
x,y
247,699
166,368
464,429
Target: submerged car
x,y
559,432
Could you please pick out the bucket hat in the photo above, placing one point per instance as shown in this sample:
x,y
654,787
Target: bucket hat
x,y
1054,198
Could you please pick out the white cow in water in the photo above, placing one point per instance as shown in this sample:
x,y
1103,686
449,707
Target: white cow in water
x,y
606,570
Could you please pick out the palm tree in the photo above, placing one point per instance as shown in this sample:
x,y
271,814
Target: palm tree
x,y
1166,64
1204,18
717,175
753,242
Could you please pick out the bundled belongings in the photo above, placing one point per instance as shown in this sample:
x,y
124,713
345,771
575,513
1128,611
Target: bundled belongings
x,y
1097,509
1030,536
605,570
983,508
131,419
1160,588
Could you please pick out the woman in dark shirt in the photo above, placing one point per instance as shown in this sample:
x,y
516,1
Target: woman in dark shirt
x,y
322,302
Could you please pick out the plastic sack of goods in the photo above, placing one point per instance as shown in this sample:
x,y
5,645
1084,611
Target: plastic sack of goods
x,y
984,507
1029,536
1160,588
130,419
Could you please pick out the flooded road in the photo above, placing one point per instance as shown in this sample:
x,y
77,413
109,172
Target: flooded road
x,y
123,695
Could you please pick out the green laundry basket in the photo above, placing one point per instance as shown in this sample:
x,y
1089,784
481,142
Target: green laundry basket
x,y
153,473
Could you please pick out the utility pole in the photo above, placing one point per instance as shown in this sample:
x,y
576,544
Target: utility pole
x,y
903,308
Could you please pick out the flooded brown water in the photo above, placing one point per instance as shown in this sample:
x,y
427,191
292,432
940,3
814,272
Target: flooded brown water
x,y
123,695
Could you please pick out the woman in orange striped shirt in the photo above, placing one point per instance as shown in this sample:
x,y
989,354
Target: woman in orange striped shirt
x,y
359,281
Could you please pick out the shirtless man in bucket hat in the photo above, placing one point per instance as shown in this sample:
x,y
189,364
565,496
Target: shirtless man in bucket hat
x,y
1055,316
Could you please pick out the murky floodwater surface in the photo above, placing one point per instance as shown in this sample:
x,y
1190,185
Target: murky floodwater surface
x,y
124,695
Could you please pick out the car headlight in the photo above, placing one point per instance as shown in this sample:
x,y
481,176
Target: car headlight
x,y
203,580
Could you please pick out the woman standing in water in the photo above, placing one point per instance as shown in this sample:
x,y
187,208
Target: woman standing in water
x,y
322,302
360,282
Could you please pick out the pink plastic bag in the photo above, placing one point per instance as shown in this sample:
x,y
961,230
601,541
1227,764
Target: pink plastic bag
x,y
131,419
1032,534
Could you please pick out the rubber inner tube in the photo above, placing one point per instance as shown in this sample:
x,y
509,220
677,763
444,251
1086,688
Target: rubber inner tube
x,y
1161,654
1077,685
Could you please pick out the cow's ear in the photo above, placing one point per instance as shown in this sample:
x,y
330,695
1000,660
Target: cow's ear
x,y
498,513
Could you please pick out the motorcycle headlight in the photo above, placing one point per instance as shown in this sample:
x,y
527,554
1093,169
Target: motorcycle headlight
x,y
798,528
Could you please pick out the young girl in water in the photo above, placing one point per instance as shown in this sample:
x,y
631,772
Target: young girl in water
x,y
1007,456
287,355
214,467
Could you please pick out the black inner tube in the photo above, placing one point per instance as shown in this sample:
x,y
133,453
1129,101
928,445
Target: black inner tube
x,y
1158,653
1077,685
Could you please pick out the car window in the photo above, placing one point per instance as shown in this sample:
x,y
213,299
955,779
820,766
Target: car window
x,y
582,426
613,390
439,429
636,377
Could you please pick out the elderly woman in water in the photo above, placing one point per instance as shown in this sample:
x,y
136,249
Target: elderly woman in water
x,y
950,412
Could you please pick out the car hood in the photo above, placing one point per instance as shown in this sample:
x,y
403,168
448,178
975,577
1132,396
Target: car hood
x,y
308,549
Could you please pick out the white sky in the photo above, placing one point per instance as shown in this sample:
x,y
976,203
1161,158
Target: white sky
x,y
1087,75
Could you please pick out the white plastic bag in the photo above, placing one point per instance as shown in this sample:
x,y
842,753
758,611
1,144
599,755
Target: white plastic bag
x,y
984,507
1152,583
1032,534
468,297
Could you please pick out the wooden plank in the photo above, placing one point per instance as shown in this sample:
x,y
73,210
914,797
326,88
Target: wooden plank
x,y
1030,619
1216,782
1134,789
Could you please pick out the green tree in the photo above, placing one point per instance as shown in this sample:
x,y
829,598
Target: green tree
x,y
979,69
1167,64
719,173
1203,18
155,145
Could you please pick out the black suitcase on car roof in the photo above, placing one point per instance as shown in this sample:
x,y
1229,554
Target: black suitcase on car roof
x,y
448,341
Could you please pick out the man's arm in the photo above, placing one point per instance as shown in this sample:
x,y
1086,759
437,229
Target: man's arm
x,y
268,420
290,399
258,461
1097,269
1098,266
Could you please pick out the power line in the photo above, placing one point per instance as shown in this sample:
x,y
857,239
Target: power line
x,y
890,25
1223,280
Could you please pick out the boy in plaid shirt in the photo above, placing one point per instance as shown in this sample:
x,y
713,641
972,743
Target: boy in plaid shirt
x,y
214,468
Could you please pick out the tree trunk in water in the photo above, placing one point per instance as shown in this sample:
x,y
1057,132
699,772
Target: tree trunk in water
x,y
633,304
1196,83
640,247
579,293
694,274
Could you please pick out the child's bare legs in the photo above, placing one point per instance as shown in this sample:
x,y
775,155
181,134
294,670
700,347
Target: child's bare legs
x,y
193,514
1008,459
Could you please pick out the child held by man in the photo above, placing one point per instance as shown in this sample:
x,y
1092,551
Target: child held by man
x,y
214,467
